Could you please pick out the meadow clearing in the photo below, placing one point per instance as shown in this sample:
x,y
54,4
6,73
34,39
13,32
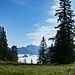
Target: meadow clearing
x,y
22,69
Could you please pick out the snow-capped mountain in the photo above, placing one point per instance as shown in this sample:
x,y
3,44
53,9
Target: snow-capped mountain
x,y
30,49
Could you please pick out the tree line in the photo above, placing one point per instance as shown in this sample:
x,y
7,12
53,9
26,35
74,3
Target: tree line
x,y
62,50
6,53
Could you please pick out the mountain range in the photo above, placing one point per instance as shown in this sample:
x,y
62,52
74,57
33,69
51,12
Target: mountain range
x,y
30,49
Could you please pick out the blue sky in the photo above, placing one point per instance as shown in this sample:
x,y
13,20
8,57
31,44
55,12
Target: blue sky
x,y
27,21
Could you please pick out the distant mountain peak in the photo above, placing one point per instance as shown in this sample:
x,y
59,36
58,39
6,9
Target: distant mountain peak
x,y
29,49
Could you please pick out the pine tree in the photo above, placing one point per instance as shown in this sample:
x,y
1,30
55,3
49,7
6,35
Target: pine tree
x,y
50,54
64,41
25,60
0,43
42,59
10,54
14,54
31,61
4,52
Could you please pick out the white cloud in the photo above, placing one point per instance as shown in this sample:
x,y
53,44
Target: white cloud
x,y
37,24
53,8
52,20
46,31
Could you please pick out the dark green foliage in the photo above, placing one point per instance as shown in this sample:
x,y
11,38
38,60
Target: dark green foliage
x,y
14,54
64,41
4,52
42,59
31,61
50,54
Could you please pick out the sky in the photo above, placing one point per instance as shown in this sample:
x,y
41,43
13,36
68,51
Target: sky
x,y
27,21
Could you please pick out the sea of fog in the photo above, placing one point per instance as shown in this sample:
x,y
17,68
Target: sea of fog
x,y
28,58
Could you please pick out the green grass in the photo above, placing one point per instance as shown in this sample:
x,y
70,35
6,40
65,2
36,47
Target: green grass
x,y
22,69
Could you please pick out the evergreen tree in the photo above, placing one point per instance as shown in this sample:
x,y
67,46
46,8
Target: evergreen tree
x,y
0,43
25,60
31,61
50,54
42,59
4,51
64,41
14,54
10,54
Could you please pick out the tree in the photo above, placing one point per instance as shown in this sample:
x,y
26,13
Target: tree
x,y
4,51
42,57
25,60
64,41
50,54
14,54
31,61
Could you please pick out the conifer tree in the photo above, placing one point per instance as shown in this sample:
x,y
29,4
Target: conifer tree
x,y
42,59
50,54
64,41
31,61
14,54
4,51
0,43
25,60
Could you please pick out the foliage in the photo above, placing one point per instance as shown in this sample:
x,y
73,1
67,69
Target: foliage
x,y
6,54
4,51
64,42
50,54
31,61
14,54
42,59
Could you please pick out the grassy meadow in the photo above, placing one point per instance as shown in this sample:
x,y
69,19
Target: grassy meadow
x,y
22,69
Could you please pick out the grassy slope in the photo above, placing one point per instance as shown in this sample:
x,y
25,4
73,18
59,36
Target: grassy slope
x,y
37,69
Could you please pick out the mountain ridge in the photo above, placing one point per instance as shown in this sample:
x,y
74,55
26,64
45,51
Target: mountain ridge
x,y
29,49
